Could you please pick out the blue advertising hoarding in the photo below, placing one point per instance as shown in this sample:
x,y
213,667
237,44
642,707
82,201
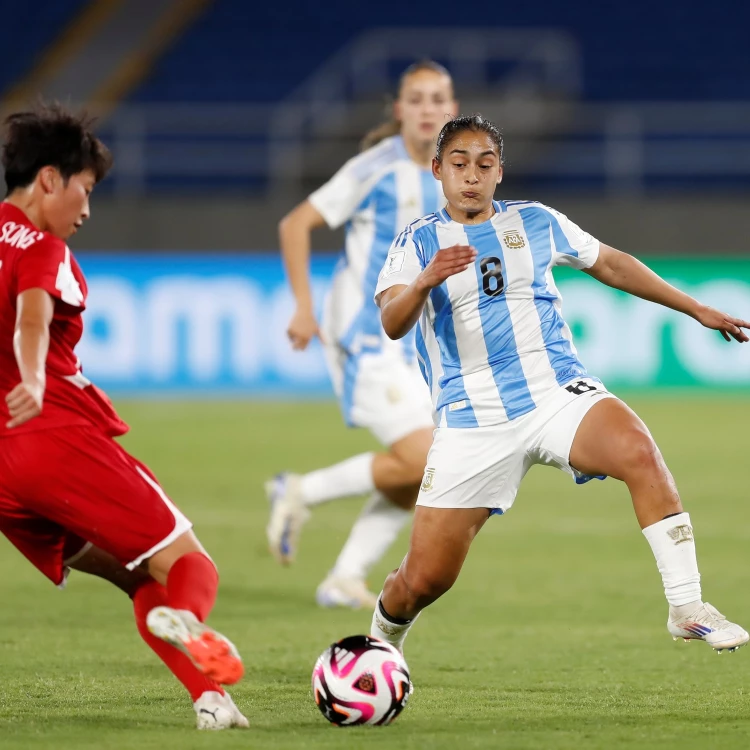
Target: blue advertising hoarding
x,y
204,324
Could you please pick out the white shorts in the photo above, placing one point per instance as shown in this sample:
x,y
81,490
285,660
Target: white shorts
x,y
380,392
482,467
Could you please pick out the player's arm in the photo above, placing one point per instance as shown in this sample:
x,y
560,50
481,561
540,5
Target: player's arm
x,y
401,305
623,271
35,308
294,236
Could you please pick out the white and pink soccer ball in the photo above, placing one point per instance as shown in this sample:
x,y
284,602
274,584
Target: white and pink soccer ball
x,y
361,680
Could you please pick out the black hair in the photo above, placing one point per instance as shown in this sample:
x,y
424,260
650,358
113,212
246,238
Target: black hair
x,y
393,126
477,124
51,136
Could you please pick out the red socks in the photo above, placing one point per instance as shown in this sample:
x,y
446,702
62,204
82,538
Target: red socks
x,y
191,584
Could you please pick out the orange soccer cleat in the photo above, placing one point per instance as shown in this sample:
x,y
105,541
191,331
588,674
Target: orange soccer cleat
x,y
210,651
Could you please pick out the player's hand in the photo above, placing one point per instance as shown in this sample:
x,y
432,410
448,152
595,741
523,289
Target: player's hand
x,y
730,328
24,403
302,329
446,263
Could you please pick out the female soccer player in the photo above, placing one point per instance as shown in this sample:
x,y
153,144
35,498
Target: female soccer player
x,y
70,496
378,383
508,388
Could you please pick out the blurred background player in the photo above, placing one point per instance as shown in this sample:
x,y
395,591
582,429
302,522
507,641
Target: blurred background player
x,y
70,496
377,382
508,387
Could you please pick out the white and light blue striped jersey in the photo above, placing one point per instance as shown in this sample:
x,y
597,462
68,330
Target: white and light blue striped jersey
x,y
492,341
375,194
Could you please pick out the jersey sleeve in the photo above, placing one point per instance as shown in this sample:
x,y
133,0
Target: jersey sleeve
x,y
572,246
337,200
402,265
47,265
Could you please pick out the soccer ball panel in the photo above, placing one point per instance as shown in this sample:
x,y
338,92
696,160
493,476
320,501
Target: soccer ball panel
x,y
361,680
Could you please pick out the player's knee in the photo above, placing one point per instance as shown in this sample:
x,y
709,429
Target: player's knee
x,y
640,453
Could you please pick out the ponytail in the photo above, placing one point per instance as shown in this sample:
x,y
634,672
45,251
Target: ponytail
x,y
380,133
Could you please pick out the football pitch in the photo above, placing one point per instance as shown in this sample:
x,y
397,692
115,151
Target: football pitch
x,y
554,636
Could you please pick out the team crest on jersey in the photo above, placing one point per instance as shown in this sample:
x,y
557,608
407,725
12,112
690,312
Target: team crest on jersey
x,y
513,239
428,481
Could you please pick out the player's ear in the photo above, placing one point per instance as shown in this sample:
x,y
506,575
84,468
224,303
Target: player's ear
x,y
435,168
396,110
500,176
49,178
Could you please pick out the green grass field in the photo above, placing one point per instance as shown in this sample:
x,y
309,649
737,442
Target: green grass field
x,y
554,637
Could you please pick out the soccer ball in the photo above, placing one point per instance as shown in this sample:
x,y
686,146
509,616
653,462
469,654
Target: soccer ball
x,y
361,680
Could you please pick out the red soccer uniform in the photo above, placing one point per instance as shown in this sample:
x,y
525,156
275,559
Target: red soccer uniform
x,y
64,482
33,259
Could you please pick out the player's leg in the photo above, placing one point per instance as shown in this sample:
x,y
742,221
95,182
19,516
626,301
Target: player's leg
x,y
612,440
146,594
388,397
440,541
190,583
170,609
96,562
395,473
378,524
92,487
61,487
213,705
173,592
472,472
55,551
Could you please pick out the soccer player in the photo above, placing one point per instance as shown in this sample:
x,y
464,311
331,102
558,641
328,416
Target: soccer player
x,y
507,385
70,496
377,382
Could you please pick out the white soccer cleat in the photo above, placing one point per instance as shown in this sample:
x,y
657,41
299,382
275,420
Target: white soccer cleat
x,y
211,652
353,593
288,516
215,711
709,625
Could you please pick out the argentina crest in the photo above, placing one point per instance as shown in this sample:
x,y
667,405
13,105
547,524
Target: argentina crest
x,y
429,478
513,239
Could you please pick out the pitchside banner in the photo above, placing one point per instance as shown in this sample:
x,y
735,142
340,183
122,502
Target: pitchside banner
x,y
215,324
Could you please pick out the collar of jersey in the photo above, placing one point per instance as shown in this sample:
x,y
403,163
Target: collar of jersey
x,y
500,207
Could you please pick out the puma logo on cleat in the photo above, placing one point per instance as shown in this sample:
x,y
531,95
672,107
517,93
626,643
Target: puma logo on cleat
x,y
680,534
210,713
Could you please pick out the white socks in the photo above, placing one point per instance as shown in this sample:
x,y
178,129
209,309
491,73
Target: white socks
x,y
374,531
389,630
673,546
350,477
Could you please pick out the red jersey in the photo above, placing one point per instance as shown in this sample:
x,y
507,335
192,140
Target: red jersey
x,y
32,259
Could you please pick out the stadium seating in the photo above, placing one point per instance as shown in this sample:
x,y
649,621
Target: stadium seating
x,y
27,30
655,54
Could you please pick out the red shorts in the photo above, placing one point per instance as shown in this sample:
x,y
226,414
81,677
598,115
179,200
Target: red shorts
x,y
64,489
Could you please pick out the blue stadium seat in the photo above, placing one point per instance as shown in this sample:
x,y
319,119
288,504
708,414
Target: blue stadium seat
x,y
27,30
240,51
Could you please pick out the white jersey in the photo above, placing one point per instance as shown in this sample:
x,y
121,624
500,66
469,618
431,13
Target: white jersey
x,y
492,342
376,194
